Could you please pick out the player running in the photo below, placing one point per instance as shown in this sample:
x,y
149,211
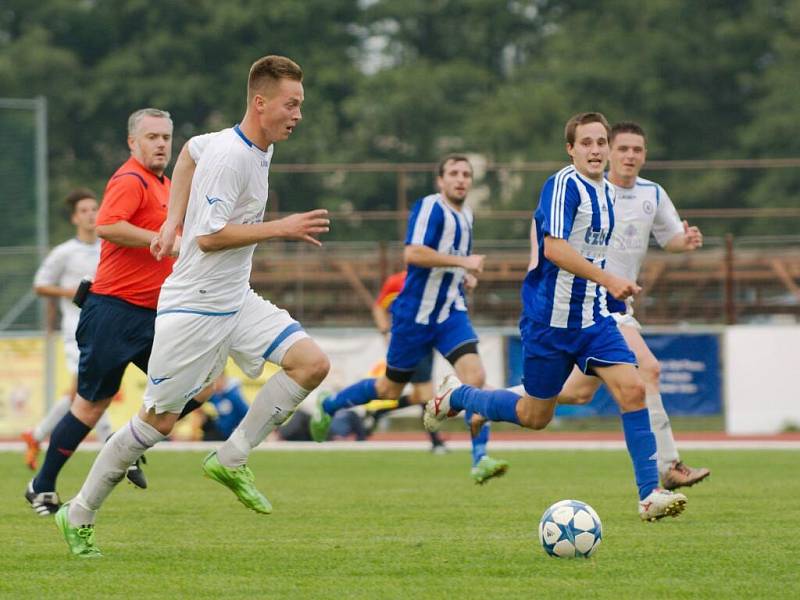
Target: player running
x,y
565,320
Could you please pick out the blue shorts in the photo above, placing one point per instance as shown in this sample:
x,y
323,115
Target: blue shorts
x,y
551,352
423,372
111,334
412,342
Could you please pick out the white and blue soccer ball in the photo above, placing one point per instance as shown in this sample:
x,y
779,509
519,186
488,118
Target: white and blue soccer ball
x,y
570,529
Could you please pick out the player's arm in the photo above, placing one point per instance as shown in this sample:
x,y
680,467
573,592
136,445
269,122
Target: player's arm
x,y
690,239
428,258
383,321
303,227
54,291
123,233
45,282
167,239
560,253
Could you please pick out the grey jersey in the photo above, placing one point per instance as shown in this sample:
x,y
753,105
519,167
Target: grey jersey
x,y
639,211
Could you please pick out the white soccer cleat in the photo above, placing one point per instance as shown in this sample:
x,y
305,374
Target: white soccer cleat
x,y
438,409
661,503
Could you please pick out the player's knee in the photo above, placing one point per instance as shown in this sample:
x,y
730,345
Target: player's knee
x,y
631,395
650,371
475,377
531,416
316,370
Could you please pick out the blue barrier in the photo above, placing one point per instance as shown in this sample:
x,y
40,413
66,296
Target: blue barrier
x,y
690,375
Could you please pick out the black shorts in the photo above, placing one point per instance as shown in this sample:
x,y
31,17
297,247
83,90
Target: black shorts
x,y
111,334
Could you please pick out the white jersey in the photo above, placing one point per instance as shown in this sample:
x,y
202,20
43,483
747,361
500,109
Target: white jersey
x,y
65,266
639,211
230,185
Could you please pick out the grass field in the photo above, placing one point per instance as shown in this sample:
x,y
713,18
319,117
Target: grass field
x,y
411,525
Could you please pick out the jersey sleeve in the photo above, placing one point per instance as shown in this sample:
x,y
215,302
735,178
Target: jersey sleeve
x,y
666,223
52,269
123,196
199,143
217,195
425,224
558,204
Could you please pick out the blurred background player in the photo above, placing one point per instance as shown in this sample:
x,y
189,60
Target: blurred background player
x,y
431,310
641,207
565,320
58,277
117,319
224,410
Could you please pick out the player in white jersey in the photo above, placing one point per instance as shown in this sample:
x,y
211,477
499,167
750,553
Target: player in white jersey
x,y
58,277
207,310
565,320
430,311
642,207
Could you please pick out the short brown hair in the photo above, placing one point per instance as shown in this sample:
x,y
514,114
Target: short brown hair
x,y
452,157
75,196
269,70
627,127
583,119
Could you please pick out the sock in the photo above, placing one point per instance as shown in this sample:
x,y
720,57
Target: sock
x,y
190,406
119,453
659,423
51,419
479,441
641,445
273,405
494,405
66,437
354,395
103,429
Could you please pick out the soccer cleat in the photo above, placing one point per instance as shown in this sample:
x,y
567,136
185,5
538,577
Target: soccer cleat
x,y
440,450
661,503
240,481
487,468
320,421
135,474
44,503
79,539
438,409
32,450
681,475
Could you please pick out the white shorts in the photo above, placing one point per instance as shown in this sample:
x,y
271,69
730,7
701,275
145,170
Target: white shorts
x,y
72,356
190,349
627,319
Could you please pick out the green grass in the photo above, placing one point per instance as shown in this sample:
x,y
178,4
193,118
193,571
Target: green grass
x,y
410,525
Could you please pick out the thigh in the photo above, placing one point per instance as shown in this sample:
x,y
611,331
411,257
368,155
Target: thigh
x,y
110,335
263,333
602,345
410,343
189,352
547,363
579,388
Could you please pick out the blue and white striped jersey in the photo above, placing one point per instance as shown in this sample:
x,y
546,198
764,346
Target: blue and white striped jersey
x,y
581,211
429,295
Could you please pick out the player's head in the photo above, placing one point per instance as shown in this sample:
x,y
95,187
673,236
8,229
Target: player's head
x,y
150,138
586,135
628,151
82,206
274,96
454,178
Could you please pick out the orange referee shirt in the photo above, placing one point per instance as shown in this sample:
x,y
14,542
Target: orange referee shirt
x,y
136,195
390,289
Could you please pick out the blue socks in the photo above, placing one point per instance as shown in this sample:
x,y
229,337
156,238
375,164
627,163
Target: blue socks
x,y
354,395
480,441
494,405
66,437
642,447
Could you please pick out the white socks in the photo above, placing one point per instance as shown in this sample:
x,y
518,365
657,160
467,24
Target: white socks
x,y
662,430
119,453
273,405
51,419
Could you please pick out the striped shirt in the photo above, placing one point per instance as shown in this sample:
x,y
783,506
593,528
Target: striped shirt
x,y
581,211
429,295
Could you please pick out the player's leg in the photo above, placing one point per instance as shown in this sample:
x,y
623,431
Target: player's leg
x,y
38,434
408,345
421,392
579,388
673,472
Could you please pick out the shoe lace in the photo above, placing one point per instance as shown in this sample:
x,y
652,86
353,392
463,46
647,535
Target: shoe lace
x,y
86,533
682,468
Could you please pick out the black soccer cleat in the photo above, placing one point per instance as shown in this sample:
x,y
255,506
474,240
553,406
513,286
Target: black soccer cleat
x,y
135,474
44,503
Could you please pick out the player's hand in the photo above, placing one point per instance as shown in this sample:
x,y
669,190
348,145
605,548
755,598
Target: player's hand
x,y
474,263
176,246
306,226
621,288
163,243
470,281
692,237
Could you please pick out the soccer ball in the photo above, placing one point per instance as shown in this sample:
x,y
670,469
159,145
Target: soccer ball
x,y
570,528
